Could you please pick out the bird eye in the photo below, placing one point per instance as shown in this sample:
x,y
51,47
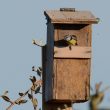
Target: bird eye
x,y
74,37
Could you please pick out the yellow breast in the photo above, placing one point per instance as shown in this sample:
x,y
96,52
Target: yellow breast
x,y
72,42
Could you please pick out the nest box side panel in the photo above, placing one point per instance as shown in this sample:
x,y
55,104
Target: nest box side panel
x,y
48,60
73,75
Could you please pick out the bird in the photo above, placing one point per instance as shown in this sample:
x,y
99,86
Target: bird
x,y
71,40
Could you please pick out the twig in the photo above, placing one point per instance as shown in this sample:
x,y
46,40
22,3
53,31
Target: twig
x,y
39,82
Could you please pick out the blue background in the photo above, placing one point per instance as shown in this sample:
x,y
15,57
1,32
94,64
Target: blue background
x,y
23,20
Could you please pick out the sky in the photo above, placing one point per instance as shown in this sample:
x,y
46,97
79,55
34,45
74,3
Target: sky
x,y
24,20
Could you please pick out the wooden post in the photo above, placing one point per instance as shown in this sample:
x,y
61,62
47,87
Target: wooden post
x,y
57,106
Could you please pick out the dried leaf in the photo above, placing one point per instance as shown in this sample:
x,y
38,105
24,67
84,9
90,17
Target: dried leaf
x,y
97,86
33,88
26,92
37,90
33,68
33,41
33,79
6,98
35,102
20,102
21,94
39,72
30,96
40,68
5,93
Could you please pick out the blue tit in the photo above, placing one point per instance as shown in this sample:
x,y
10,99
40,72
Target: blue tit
x,y
71,40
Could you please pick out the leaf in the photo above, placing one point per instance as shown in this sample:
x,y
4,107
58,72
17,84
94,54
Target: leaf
x,y
5,93
37,90
40,68
21,94
39,72
6,98
97,86
33,79
33,41
33,68
35,102
33,88
30,96
21,102
26,92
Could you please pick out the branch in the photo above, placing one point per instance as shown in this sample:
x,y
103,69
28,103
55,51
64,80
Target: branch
x,y
39,82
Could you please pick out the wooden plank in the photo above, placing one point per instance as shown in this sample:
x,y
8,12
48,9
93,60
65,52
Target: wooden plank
x,y
73,79
75,52
49,63
78,17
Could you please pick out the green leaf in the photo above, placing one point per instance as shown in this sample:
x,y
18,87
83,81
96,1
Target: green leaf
x,y
30,96
6,98
21,94
37,90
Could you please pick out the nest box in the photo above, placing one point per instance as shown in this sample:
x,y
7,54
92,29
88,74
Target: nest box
x,y
67,71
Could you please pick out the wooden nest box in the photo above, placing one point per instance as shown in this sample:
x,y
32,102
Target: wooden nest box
x,y
67,71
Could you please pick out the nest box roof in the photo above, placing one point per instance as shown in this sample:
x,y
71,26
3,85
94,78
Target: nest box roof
x,y
70,16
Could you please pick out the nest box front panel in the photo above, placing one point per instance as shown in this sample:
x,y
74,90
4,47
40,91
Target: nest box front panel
x,y
72,71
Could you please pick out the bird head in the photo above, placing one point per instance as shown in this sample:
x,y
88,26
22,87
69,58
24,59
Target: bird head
x,y
70,37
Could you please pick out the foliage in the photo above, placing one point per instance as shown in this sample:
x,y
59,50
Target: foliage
x,y
97,97
35,88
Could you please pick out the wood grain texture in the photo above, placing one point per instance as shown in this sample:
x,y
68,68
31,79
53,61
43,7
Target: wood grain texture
x,y
72,76
49,63
77,17
67,80
75,52
72,80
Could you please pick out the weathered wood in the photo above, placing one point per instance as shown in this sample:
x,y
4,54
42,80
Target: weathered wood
x,y
77,17
66,73
72,76
57,106
75,52
67,80
46,105
72,81
49,63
